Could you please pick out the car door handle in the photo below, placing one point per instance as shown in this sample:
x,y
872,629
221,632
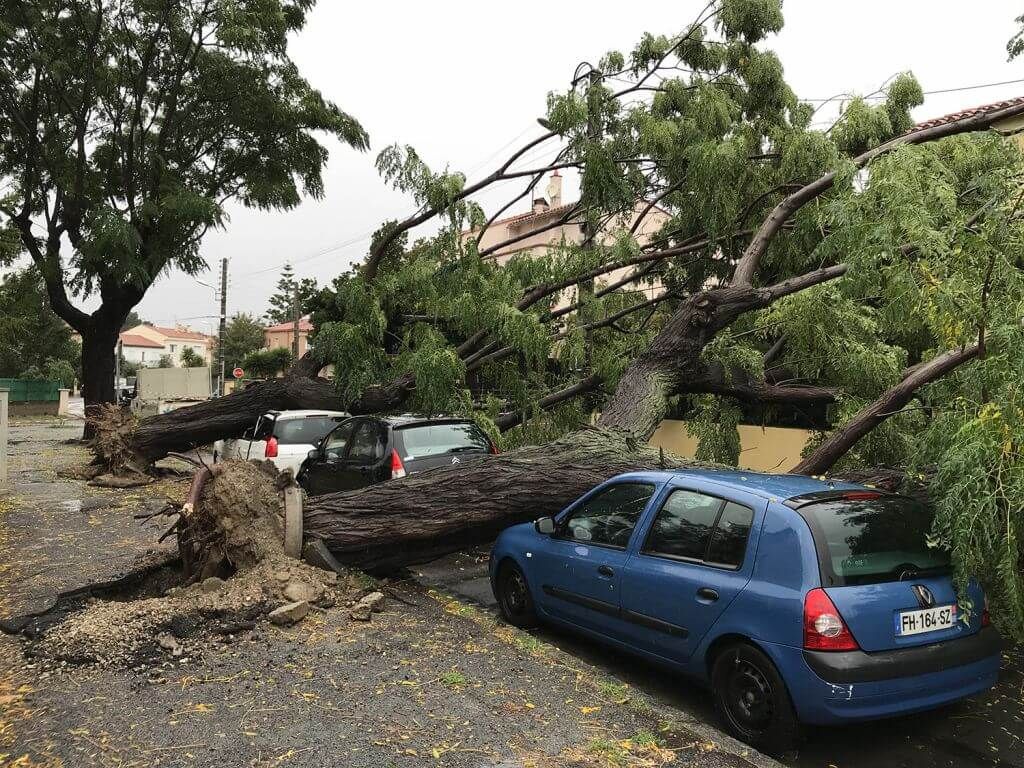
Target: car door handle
x,y
604,570
707,594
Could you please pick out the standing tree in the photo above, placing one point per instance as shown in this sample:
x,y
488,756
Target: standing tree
x,y
242,335
33,340
191,359
126,126
132,320
291,295
267,363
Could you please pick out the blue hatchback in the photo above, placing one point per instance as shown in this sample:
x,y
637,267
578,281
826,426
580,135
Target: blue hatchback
x,y
798,600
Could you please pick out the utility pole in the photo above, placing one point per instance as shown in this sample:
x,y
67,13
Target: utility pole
x,y
223,324
296,316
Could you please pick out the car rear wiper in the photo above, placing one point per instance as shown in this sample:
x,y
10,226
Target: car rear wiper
x,y
465,448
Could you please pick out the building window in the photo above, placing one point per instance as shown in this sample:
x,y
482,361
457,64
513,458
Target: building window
x,y
173,348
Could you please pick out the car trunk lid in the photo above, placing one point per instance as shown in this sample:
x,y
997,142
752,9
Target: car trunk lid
x,y
890,587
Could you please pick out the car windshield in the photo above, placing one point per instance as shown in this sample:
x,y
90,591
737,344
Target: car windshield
x,y
868,538
436,439
307,430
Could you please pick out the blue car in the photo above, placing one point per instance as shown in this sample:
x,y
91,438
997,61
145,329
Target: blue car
x,y
797,600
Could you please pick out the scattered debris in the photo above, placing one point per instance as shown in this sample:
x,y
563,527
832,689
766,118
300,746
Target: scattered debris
x,y
367,605
289,613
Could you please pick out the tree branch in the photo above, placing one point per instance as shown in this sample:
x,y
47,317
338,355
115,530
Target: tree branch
x,y
889,402
748,264
506,421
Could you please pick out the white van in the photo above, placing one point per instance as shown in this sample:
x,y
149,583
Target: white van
x,y
283,437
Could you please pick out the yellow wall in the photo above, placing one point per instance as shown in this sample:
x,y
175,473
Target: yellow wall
x,y
765,449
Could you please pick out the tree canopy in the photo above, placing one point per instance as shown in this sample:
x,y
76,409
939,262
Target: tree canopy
x,y
34,342
242,335
291,294
851,259
126,126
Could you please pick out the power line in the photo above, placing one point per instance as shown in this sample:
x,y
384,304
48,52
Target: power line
x,y
937,92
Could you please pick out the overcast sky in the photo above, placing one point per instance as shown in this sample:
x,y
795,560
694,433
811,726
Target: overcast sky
x,y
460,83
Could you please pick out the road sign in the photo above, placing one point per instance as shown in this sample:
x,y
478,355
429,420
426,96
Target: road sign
x,y
238,373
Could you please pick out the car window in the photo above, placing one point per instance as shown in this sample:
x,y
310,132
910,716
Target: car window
x,y
337,441
367,443
264,428
306,430
683,525
729,541
438,439
871,538
610,516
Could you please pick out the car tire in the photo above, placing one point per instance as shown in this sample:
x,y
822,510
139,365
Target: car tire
x,y
515,603
752,699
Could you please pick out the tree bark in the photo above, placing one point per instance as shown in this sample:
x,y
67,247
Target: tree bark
x,y
99,342
424,516
201,424
888,404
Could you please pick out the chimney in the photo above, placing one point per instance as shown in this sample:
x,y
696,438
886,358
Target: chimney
x,y
555,189
540,205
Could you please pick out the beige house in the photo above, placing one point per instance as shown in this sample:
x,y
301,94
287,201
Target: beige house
x,y
532,234
281,335
151,342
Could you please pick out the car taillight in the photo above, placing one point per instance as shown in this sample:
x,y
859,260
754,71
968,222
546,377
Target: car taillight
x,y
397,468
494,448
270,452
824,628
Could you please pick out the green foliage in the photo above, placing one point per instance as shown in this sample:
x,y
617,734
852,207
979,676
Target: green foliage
x,y
131,320
32,337
191,359
713,422
165,361
242,335
267,363
291,296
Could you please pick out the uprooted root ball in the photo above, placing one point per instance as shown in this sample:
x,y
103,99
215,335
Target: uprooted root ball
x,y
240,509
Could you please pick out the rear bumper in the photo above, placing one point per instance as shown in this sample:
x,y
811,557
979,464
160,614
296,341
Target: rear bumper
x,y
915,679
861,667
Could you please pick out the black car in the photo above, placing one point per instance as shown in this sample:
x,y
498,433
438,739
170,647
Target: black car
x,y
364,450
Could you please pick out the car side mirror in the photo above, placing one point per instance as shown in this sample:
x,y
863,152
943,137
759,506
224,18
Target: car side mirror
x,y
314,454
545,525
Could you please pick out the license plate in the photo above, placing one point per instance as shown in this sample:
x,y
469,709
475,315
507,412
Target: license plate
x,y
925,620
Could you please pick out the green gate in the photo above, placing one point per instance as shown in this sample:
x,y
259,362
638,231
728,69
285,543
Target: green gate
x,y
31,390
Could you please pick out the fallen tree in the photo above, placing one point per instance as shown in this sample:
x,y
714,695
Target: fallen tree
x,y
857,268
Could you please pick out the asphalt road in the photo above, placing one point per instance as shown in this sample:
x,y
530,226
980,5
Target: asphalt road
x,y
986,730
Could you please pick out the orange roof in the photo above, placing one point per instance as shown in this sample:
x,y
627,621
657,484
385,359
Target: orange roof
x,y
304,325
134,340
983,109
178,333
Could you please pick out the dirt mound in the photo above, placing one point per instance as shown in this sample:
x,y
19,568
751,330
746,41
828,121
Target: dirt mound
x,y
235,527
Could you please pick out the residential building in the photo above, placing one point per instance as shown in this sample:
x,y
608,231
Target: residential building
x,y
538,230
172,342
139,350
282,335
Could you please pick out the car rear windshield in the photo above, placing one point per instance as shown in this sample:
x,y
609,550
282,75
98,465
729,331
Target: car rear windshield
x,y
437,439
305,430
873,538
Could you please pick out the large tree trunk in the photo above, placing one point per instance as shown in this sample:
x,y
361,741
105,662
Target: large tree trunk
x,y
99,342
229,416
430,514
197,425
